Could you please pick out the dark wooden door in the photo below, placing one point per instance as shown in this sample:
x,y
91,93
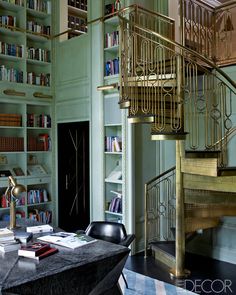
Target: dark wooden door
x,y
73,175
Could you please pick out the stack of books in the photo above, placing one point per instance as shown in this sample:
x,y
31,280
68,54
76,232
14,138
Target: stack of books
x,y
36,250
7,241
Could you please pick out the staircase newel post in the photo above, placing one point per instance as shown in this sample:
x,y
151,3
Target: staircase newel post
x,y
179,271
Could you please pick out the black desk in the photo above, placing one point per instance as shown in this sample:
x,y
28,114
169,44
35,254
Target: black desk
x,y
92,269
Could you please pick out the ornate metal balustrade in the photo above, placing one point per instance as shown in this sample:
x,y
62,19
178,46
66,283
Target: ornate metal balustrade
x,y
209,29
160,208
175,89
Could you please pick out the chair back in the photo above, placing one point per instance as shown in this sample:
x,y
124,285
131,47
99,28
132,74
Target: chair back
x,y
108,231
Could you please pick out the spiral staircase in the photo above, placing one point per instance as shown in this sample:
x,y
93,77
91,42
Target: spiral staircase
x,y
182,91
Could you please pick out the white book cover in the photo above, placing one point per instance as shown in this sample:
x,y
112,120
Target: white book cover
x,y
39,229
68,240
5,232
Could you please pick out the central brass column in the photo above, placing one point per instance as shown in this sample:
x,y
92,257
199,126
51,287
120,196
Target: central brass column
x,y
179,271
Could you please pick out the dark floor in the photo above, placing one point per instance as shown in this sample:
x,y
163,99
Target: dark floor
x,y
208,276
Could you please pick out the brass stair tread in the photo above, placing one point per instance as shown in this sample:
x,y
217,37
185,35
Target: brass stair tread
x,y
227,171
202,154
166,246
168,136
201,196
164,252
200,166
195,223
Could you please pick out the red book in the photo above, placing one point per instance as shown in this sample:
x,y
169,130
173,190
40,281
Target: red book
x,y
47,253
34,249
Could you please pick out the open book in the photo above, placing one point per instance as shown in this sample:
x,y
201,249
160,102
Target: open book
x,y
69,240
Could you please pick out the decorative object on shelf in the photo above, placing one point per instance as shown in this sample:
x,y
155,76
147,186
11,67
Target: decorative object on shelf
x,y
3,159
108,87
14,193
41,95
13,92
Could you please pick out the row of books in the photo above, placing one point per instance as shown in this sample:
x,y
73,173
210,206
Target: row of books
x,y
17,2
11,49
37,196
40,143
35,27
5,203
38,79
81,4
10,120
40,5
38,54
112,7
8,20
113,144
77,23
112,39
116,204
36,120
10,144
112,67
11,74
44,216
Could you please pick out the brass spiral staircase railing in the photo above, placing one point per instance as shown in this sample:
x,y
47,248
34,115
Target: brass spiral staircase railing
x,y
172,87
181,92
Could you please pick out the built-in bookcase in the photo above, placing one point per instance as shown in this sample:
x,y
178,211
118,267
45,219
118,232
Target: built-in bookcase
x,y
26,153
25,51
26,112
111,47
114,129
113,158
77,17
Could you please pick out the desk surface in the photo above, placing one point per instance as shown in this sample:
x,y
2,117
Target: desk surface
x,y
69,270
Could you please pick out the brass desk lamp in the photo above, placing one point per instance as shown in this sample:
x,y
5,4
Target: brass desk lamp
x,y
13,194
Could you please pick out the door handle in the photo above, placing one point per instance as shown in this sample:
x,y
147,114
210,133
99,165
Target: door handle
x,y
66,182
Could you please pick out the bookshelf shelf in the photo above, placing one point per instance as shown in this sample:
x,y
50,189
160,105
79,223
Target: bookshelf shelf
x,y
113,181
113,213
36,13
77,11
111,77
114,21
14,32
37,62
11,57
10,6
113,125
37,37
112,48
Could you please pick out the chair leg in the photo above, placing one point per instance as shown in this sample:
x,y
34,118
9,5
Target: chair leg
x,y
126,284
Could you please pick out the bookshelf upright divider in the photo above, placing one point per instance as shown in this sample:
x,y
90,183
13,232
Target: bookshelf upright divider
x,y
114,147
26,138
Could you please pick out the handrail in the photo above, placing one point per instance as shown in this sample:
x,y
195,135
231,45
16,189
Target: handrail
x,y
231,133
160,175
219,7
148,188
183,48
122,10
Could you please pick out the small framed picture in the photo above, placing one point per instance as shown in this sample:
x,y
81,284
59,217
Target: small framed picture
x,y
36,170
